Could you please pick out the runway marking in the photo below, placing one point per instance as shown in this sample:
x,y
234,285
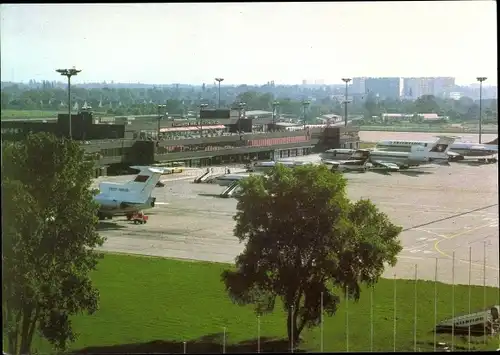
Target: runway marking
x,y
436,246
431,232
162,203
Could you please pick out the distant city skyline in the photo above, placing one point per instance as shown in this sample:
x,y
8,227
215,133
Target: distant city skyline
x,y
249,43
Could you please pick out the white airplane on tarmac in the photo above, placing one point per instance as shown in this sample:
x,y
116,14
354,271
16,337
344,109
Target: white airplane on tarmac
x,y
130,197
434,153
268,165
485,153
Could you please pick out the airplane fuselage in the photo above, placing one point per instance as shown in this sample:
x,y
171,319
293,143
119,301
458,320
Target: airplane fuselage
x,y
468,150
110,208
395,157
400,158
229,179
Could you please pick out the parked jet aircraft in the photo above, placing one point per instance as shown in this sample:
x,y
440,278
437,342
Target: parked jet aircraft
x,y
458,151
434,153
267,165
130,197
357,161
228,179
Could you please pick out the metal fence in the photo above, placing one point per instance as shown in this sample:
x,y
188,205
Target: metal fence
x,y
442,307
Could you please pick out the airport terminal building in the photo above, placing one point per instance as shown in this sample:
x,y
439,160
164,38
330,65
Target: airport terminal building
x,y
218,137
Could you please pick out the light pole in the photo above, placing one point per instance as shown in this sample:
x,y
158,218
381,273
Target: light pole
x,y
69,73
305,104
276,105
202,107
159,120
241,106
219,81
346,81
480,79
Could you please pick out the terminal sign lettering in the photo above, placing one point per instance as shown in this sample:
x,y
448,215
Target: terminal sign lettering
x,y
121,189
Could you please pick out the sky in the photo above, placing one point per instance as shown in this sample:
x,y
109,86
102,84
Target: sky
x,y
249,43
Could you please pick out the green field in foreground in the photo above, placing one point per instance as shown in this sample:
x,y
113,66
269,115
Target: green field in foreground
x,y
154,305
23,114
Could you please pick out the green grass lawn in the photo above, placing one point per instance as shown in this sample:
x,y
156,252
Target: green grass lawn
x,y
27,114
23,114
154,305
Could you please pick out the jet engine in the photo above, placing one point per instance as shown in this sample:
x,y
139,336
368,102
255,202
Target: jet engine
x,y
110,204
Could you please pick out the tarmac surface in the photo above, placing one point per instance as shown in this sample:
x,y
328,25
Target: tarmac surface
x,y
446,213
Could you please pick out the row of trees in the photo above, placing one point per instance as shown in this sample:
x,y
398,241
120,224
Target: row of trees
x,y
305,241
121,101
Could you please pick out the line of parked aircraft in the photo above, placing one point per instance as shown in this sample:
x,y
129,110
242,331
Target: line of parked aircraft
x,y
403,154
134,196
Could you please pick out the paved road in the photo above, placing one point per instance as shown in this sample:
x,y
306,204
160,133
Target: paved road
x,y
443,210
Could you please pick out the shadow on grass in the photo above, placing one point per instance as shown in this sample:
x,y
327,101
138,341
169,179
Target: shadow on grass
x,y
207,344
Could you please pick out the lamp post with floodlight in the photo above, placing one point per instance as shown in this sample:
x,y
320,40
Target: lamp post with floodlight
x,y
69,73
160,107
202,107
346,81
219,81
305,105
480,79
276,105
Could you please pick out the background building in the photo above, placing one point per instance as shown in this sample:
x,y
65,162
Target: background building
x,y
443,86
413,88
358,85
384,88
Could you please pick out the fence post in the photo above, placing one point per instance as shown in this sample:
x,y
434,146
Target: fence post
x,y
395,313
415,312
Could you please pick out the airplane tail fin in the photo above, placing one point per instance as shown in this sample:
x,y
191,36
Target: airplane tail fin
x,y
142,186
442,145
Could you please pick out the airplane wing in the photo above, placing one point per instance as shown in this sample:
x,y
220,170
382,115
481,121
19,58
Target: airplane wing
x,y
452,154
342,162
331,162
389,166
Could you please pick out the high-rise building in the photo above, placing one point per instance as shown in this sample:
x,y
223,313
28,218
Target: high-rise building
x,y
413,88
383,88
358,85
443,86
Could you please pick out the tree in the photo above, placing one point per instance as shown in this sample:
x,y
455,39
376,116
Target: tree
x,y
427,104
49,236
304,238
371,106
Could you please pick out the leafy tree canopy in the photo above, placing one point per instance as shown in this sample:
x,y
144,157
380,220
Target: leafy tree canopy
x,y
305,240
49,235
